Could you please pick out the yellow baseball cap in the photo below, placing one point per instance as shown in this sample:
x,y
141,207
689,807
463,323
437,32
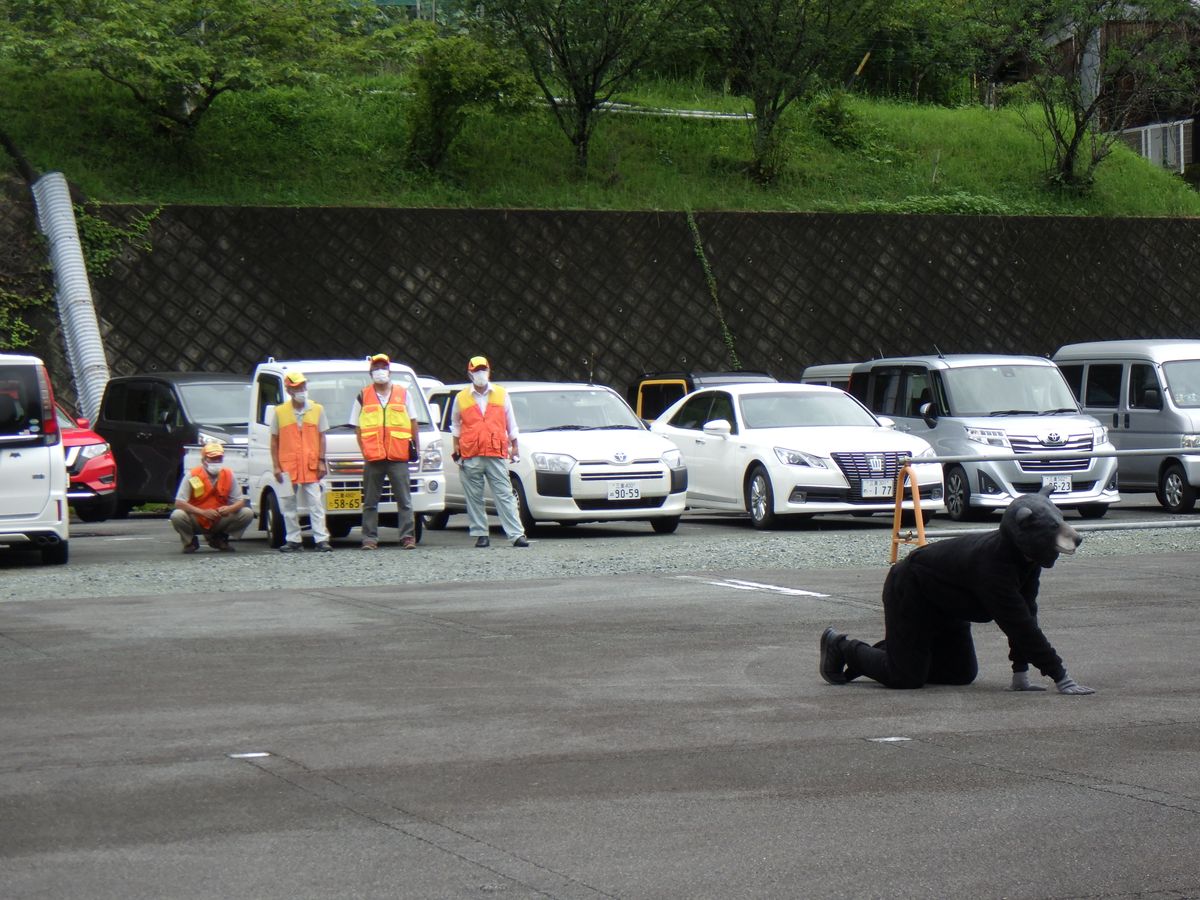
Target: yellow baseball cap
x,y
380,358
477,362
211,449
294,378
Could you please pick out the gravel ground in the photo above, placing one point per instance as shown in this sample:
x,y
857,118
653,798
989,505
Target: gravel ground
x,y
449,557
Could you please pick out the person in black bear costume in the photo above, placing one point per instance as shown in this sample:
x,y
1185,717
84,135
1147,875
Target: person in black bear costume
x,y
931,597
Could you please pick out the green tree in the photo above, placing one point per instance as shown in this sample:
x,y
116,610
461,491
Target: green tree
x,y
453,77
176,57
1094,67
777,51
580,52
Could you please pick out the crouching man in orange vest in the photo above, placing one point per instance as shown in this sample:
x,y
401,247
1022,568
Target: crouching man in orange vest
x,y
206,502
485,439
387,439
298,429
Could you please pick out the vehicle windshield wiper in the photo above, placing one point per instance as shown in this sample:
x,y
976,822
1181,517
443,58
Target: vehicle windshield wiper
x,y
567,428
1013,412
1054,412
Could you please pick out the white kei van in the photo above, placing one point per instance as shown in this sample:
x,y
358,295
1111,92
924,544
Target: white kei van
x,y
1148,394
33,473
984,405
829,374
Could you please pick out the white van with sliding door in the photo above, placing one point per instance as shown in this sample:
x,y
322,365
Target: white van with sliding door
x,y
33,472
1148,394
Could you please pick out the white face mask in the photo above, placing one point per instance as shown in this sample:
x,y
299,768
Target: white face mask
x,y
381,376
212,468
299,397
479,379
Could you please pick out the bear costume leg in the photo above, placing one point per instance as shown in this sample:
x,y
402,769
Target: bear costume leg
x,y
917,649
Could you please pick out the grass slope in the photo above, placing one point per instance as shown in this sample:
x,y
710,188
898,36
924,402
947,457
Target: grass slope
x,y
341,145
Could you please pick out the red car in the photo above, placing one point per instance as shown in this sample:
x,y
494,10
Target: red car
x,y
90,467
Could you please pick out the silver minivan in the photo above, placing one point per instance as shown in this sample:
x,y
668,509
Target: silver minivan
x,y
983,405
1148,394
33,473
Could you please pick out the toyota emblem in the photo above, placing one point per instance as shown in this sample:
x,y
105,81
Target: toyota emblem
x,y
1053,438
620,456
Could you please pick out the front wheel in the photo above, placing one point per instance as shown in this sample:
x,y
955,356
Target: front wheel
x,y
958,495
665,525
437,521
272,521
1175,493
527,520
760,498
97,510
1093,510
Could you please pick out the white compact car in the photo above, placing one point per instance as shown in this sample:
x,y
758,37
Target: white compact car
x,y
33,476
584,457
793,450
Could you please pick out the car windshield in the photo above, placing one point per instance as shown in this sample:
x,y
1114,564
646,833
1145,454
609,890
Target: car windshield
x,y
796,409
1183,381
216,402
1008,390
337,391
574,410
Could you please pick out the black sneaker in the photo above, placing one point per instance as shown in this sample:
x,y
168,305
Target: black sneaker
x,y
483,541
521,542
192,546
833,661
325,547
290,548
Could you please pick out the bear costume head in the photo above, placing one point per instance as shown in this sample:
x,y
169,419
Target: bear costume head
x,y
1037,528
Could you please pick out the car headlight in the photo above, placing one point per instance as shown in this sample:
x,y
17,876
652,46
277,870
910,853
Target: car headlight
x,y
91,451
431,456
1190,441
673,459
993,437
1100,435
799,458
927,452
553,462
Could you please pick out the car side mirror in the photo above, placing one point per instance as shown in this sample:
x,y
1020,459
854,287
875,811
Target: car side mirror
x,y
928,414
886,422
1151,399
83,423
718,428
435,409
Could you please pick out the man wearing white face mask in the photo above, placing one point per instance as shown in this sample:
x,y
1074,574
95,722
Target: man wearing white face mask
x,y
206,501
485,439
298,429
388,440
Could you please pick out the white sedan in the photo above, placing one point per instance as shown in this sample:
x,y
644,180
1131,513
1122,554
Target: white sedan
x,y
584,457
793,449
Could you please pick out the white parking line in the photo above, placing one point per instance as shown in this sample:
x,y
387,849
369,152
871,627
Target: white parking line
x,y
739,585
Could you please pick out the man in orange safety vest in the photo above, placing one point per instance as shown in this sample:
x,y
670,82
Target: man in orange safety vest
x,y
209,502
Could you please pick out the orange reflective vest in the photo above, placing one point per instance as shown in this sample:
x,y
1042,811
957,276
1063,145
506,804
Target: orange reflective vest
x,y
299,442
207,495
483,433
386,432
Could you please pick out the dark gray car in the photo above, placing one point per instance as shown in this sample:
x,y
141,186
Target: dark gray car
x,y
148,419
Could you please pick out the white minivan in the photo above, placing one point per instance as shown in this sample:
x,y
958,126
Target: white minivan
x,y
1148,394
33,473
986,405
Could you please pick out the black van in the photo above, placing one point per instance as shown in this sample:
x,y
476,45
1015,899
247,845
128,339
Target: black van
x,y
149,419
655,391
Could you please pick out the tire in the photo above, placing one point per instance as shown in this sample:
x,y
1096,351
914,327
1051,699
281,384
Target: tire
x,y
665,524
958,495
1174,492
122,509
760,498
437,521
97,510
55,554
339,527
527,520
1093,510
418,527
908,517
272,521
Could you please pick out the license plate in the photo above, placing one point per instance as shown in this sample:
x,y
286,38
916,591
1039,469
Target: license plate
x,y
343,500
1059,484
624,490
878,487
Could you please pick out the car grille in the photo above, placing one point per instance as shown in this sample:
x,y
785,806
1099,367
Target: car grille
x,y
857,466
1031,444
385,495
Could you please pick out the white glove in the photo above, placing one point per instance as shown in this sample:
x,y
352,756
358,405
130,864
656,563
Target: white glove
x,y
1068,685
1020,682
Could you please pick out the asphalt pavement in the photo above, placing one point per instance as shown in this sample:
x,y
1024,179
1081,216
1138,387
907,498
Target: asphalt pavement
x,y
647,735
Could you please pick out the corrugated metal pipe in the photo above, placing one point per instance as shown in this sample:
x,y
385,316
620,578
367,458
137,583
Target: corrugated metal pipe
x,y
73,294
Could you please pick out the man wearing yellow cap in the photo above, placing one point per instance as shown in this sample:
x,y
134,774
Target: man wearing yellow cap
x,y
485,439
388,440
298,429
208,501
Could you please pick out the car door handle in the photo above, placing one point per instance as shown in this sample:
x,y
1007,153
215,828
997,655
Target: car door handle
x,y
144,435
1126,420
1116,420
701,442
